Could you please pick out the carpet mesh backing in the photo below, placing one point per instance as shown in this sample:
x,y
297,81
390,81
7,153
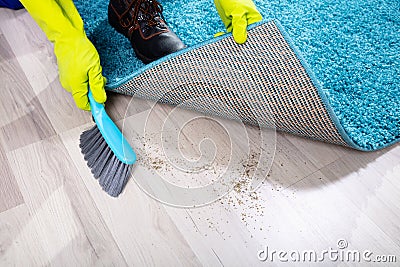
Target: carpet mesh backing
x,y
261,82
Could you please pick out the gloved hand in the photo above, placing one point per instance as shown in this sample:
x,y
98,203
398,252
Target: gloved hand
x,y
236,16
77,58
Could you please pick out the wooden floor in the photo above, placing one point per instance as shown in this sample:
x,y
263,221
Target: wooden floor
x,y
52,211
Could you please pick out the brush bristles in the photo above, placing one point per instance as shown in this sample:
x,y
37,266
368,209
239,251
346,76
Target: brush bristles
x,y
105,166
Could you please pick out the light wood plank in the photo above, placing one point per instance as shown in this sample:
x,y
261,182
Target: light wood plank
x,y
61,210
337,216
10,195
33,51
119,106
30,128
20,241
23,121
13,105
61,109
371,183
320,154
290,164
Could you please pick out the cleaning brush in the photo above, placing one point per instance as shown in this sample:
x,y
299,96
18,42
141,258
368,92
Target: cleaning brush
x,y
108,154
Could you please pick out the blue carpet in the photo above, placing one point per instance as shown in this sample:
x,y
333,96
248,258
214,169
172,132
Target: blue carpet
x,y
352,47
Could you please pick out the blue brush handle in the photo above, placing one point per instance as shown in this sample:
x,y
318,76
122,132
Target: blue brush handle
x,y
113,136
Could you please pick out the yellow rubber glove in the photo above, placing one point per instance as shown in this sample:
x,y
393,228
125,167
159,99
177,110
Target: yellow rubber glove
x,y
77,58
237,15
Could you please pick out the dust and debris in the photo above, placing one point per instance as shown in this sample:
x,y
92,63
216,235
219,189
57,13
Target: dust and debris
x,y
242,198
157,163
242,202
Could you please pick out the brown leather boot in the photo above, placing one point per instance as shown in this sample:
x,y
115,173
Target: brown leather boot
x,y
142,22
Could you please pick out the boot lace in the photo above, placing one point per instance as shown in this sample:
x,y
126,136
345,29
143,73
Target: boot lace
x,y
144,10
